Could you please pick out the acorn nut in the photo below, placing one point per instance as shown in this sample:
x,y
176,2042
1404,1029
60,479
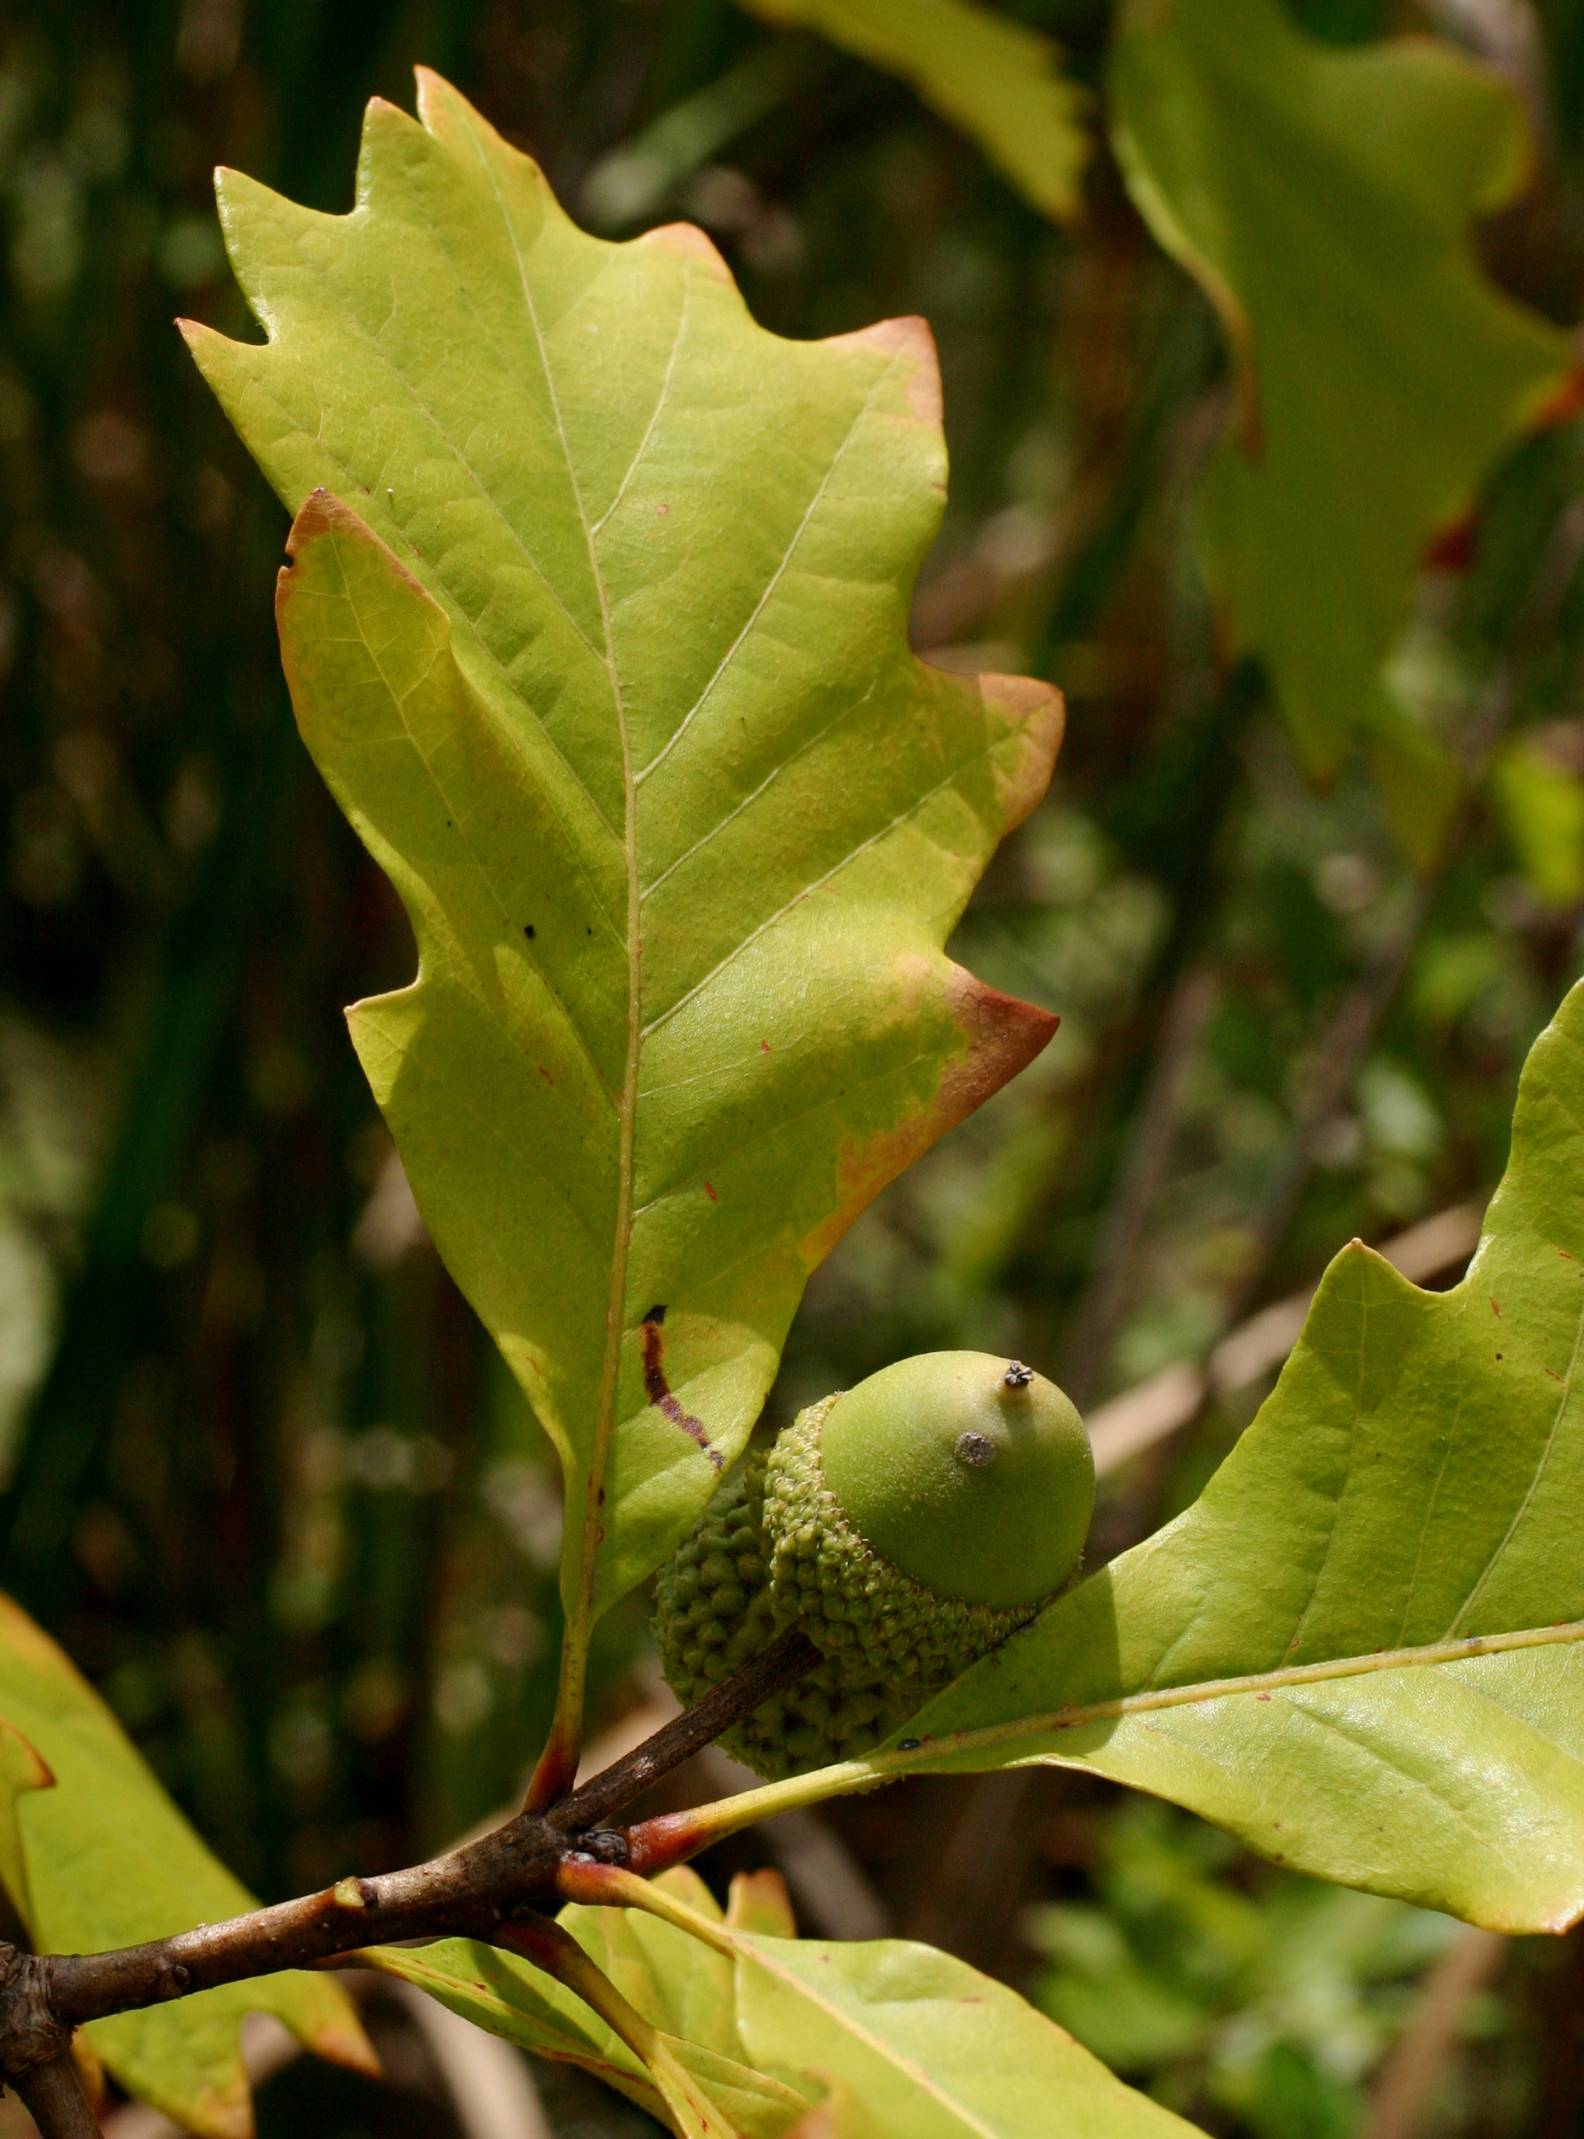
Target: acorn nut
x,y
907,1526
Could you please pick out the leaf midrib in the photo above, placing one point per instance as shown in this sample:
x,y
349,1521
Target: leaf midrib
x,y
587,1527
1283,1679
752,1952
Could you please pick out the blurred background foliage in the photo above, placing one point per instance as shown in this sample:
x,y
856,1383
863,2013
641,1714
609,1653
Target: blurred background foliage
x,y
263,1477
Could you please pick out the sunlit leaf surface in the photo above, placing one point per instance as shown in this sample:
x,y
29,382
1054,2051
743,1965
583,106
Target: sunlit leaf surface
x,y
1323,198
602,648
1363,1648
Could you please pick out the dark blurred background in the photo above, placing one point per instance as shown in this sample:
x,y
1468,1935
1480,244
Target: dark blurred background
x,y
264,1478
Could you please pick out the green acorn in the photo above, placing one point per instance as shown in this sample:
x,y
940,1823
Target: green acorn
x,y
713,1610
917,1520
906,1526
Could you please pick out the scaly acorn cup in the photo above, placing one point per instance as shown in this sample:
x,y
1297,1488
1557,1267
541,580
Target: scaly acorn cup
x,y
713,1611
906,1526
917,1520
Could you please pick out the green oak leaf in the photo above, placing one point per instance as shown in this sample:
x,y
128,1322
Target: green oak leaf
x,y
1362,1649
1322,197
696,2068
911,2040
688,1990
511,1998
109,1861
893,2036
603,651
1541,803
996,79
673,1980
899,2037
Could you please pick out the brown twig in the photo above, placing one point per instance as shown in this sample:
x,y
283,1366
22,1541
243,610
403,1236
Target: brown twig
x,y
481,1890
787,1658
1404,2094
56,2099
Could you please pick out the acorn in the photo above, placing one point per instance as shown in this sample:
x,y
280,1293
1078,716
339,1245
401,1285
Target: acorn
x,y
714,1609
907,1526
917,1520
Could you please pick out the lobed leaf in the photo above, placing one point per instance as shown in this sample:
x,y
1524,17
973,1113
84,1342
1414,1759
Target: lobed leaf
x,y
97,1856
693,2074
911,2040
603,651
513,1999
1322,197
893,2036
1362,1649
995,78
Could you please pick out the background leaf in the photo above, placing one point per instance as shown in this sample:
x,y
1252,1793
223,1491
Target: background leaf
x,y
1362,1649
914,2040
997,79
511,1998
1322,197
895,2035
609,671
678,1985
109,1862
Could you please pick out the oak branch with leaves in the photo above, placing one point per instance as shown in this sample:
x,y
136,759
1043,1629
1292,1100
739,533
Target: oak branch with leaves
x,y
595,624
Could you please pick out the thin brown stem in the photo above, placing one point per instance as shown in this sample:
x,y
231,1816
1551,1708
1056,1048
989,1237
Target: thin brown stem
x,y
464,1894
478,1891
57,2100
786,1659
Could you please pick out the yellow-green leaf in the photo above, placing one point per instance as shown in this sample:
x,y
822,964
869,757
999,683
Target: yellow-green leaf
x,y
511,1998
998,80
109,1861
691,2069
1323,198
1542,806
1362,1649
911,2040
603,650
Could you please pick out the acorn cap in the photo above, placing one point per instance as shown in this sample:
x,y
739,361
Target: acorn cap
x,y
866,1614
713,1611
968,1471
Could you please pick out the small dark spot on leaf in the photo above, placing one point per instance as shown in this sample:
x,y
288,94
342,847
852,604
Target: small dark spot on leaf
x,y
529,930
1495,1310
709,1191
764,1047
658,1389
545,1074
662,510
908,1745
